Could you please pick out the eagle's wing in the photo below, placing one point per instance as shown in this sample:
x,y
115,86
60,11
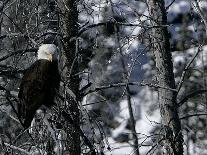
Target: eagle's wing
x,y
33,90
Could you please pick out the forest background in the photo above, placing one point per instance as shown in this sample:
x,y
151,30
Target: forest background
x,y
111,84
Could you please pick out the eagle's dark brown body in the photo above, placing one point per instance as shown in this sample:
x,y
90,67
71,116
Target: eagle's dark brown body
x,y
39,86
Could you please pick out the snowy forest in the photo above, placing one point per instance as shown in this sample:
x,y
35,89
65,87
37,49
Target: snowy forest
x,y
133,77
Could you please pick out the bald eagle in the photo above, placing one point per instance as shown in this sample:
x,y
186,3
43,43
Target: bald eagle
x,y
39,84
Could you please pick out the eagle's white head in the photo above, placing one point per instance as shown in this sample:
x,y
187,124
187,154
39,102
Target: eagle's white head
x,y
48,52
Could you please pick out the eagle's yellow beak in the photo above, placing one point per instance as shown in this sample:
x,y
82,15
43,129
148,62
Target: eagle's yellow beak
x,y
50,57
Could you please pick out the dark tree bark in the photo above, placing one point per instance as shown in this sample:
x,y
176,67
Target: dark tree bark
x,y
167,98
70,27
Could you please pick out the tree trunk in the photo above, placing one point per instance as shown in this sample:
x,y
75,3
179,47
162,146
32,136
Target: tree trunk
x,y
132,122
173,140
70,26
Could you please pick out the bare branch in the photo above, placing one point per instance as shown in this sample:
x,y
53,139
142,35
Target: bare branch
x,y
193,94
186,68
170,5
16,148
193,115
117,23
18,52
125,84
201,14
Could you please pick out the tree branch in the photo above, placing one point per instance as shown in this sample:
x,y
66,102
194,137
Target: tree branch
x,y
191,95
186,68
117,23
16,148
124,85
192,115
18,52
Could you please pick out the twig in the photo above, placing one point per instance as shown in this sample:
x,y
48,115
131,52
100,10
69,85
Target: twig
x,y
15,24
11,73
117,23
12,117
15,111
126,76
124,85
186,68
201,14
154,146
192,115
104,100
86,140
170,5
190,96
16,148
18,52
